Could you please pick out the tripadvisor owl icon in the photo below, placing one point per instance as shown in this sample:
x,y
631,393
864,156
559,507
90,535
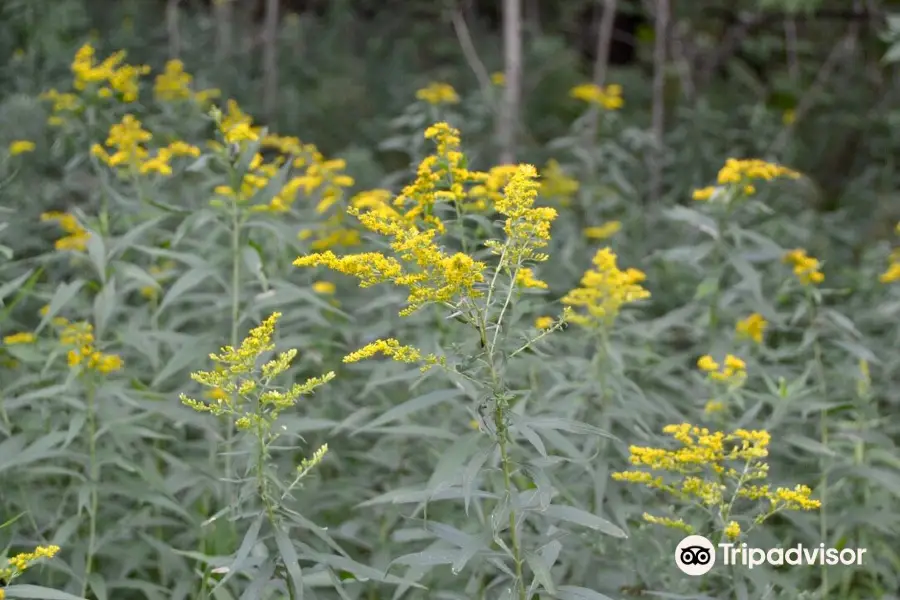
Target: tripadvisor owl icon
x,y
695,555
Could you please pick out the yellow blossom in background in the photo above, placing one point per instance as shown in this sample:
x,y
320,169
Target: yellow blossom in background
x,y
733,371
19,338
556,185
119,78
77,237
609,97
714,406
489,190
21,147
438,93
603,291
173,83
806,268
601,232
742,171
704,194
323,287
525,278
498,78
752,328
544,322
789,116
892,273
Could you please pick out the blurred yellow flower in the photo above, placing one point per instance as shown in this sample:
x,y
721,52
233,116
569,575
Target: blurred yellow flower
x,y
544,322
21,147
806,268
19,338
601,232
498,78
323,287
753,328
438,93
609,97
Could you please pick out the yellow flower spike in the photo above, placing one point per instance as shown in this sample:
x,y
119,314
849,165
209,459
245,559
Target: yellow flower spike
x,y
704,194
609,97
525,278
604,290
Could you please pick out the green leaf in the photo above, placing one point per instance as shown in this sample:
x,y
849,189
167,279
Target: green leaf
x,y
243,553
583,518
37,592
410,406
291,561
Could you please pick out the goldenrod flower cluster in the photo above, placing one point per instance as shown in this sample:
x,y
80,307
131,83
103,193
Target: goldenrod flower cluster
x,y
806,268
437,94
127,139
742,174
243,391
77,236
23,337
603,291
733,371
483,195
545,322
752,328
609,97
498,78
80,337
602,232
892,273
525,278
392,349
527,227
21,147
16,565
174,84
111,74
704,474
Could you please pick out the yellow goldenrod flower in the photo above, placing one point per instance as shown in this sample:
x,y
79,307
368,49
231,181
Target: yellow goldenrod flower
x,y
438,93
733,530
498,78
544,322
743,171
77,237
789,116
173,83
734,371
79,336
19,563
19,338
668,522
604,231
323,287
391,348
753,328
704,194
609,97
806,268
526,279
21,147
604,290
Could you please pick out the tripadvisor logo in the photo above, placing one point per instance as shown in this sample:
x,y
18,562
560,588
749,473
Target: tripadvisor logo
x,y
695,555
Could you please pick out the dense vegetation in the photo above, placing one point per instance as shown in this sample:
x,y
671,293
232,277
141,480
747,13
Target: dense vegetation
x,y
334,300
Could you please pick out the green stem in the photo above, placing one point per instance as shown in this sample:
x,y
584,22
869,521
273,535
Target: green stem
x,y
235,317
507,483
93,481
823,433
